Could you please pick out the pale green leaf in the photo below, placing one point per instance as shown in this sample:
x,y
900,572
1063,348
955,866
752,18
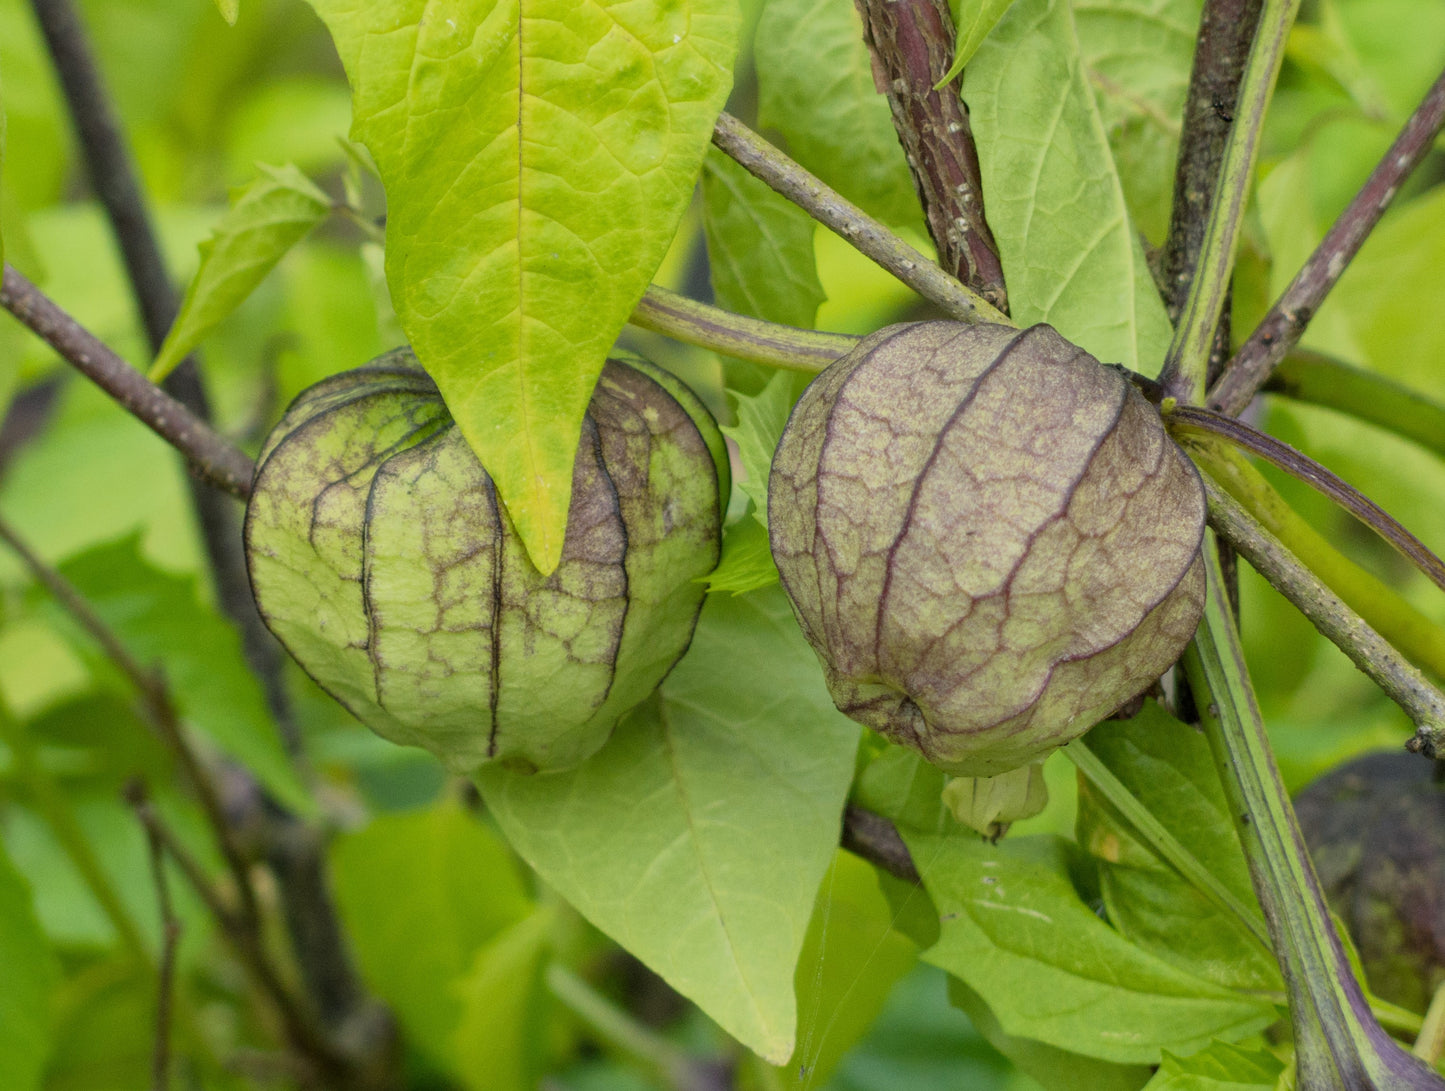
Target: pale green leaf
x,y
1137,54
973,19
1053,196
747,559
761,420
698,836
851,960
498,1045
421,893
163,623
266,219
1168,767
1221,1067
759,247
1015,931
2,178
229,9
815,86
26,984
537,157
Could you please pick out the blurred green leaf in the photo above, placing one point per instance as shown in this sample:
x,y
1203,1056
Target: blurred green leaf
x,y
1054,199
759,247
27,984
1016,932
266,219
1220,1067
697,837
534,182
851,960
500,1035
2,176
421,894
163,623
815,86
1168,768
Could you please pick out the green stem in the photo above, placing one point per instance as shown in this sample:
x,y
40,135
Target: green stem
x,y
1367,649
618,1028
1382,607
1430,1044
1164,843
1338,1044
55,808
708,327
1186,362
1321,380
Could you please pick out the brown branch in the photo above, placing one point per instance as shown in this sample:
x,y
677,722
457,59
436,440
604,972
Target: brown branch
x,y
912,45
851,223
1282,327
170,938
210,455
1226,30
875,839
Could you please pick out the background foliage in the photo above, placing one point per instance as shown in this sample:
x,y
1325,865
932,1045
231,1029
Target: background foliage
x,y
473,916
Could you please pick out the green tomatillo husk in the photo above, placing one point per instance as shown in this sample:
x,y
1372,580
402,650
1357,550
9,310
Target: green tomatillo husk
x,y
382,558
987,537
991,805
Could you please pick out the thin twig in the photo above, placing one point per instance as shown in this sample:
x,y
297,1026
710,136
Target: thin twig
x,y
211,456
1187,360
1367,649
1306,469
875,839
737,335
244,941
1282,327
170,940
912,43
832,210
156,699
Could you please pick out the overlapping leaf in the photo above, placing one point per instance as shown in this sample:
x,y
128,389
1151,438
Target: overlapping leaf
x,y
1053,196
1221,1067
265,220
537,157
698,836
1016,932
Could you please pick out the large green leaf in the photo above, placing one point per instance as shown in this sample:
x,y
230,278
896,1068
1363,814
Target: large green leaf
x,y
1168,768
26,984
1221,1067
1016,932
698,836
265,220
421,894
537,157
1052,193
1137,55
761,419
815,86
759,247
163,623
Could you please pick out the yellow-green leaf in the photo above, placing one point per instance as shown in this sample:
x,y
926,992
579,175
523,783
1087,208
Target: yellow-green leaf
x,y
266,219
537,156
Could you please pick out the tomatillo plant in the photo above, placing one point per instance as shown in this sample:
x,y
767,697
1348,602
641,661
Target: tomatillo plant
x,y
874,623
